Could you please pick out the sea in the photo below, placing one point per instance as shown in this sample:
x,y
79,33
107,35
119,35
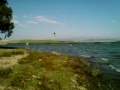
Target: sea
x,y
104,56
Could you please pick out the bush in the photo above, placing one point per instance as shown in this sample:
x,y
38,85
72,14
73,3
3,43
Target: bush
x,y
5,54
47,64
17,52
96,72
5,72
10,53
46,83
22,76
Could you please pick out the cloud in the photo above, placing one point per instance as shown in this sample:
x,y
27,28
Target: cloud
x,y
16,22
46,20
21,25
14,16
32,22
42,19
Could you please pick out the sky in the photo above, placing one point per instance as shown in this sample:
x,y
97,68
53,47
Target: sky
x,y
69,19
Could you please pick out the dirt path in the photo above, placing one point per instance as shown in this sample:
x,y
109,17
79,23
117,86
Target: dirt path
x,y
6,62
10,61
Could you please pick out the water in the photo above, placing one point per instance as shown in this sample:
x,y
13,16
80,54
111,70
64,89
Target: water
x,y
106,54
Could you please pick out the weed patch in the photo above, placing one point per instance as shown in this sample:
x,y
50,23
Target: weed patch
x,y
5,72
9,53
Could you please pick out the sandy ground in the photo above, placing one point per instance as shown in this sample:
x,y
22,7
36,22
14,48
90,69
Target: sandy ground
x,y
6,62
10,61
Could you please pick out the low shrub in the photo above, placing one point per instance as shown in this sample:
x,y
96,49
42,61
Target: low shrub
x,y
5,72
17,52
46,64
11,53
22,76
46,83
96,72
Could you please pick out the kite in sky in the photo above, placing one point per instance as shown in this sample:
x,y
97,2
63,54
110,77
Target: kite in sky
x,y
54,34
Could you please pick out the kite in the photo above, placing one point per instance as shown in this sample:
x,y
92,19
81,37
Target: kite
x,y
54,34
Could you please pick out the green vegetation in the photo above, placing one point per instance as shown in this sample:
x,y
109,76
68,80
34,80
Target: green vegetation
x,y
95,72
6,24
9,52
46,71
33,41
4,72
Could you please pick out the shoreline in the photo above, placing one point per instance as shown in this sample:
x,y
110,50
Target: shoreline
x,y
68,65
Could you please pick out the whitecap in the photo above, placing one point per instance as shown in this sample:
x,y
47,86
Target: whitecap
x,y
104,59
57,53
113,67
86,56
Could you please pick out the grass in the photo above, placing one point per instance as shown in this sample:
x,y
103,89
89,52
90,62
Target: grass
x,y
9,52
46,71
5,72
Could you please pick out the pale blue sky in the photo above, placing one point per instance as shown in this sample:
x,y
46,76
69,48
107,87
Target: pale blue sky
x,y
70,19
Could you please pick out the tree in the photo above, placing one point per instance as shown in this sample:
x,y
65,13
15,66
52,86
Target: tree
x,y
6,24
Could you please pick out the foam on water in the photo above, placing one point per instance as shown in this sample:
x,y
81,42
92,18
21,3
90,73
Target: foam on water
x,y
57,53
86,56
105,60
113,67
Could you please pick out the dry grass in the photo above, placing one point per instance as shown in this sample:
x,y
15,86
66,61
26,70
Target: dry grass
x,y
10,57
11,52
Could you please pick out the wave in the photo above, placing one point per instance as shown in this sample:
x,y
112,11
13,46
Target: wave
x,y
113,67
57,53
104,59
86,56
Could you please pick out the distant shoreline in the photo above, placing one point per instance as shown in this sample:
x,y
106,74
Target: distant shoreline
x,y
55,42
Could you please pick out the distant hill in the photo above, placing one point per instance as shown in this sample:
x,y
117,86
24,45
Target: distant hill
x,y
40,41
33,41
57,41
